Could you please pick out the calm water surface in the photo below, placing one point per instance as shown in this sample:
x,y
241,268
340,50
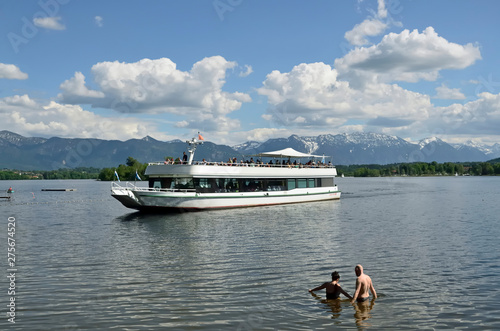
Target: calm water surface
x,y
431,246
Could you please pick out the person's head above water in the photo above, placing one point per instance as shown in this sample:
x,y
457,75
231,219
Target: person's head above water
x,y
335,276
358,270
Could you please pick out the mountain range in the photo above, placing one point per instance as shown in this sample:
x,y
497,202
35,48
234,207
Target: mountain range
x,y
375,148
33,153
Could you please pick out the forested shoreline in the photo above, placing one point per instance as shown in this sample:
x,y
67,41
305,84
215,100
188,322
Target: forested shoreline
x,y
76,173
422,169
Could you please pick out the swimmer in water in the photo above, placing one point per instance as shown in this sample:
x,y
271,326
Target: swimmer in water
x,y
333,288
363,284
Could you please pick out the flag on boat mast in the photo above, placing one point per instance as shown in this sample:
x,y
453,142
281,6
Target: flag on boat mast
x,y
116,174
200,137
137,175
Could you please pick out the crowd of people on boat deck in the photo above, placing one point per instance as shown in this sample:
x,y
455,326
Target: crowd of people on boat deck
x,y
257,163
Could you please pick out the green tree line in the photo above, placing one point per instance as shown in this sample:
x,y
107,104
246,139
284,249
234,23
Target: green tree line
x,y
66,173
126,172
421,169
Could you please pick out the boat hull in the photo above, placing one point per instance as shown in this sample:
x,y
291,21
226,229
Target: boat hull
x,y
126,197
151,200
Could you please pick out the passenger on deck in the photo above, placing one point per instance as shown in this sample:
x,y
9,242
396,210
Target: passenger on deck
x,y
184,158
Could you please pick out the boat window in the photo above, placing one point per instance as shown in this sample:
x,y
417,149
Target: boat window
x,y
205,183
182,183
228,185
301,183
310,182
276,185
160,183
233,185
325,182
252,185
155,184
166,182
291,184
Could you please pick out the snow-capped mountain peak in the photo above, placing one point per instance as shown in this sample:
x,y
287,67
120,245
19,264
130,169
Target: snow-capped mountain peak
x,y
426,141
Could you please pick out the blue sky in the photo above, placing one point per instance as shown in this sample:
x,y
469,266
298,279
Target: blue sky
x,y
239,70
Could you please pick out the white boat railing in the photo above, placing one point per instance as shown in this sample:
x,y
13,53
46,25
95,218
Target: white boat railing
x,y
261,165
132,187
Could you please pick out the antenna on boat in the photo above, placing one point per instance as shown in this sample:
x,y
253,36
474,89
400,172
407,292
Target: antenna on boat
x,y
193,143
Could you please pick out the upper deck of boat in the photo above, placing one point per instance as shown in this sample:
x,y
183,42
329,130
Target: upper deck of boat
x,y
240,170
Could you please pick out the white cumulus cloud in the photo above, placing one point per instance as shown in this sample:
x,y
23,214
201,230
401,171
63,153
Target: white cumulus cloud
x,y
248,71
51,23
444,92
369,27
157,86
407,56
23,115
459,122
78,92
372,26
478,117
312,95
381,10
10,71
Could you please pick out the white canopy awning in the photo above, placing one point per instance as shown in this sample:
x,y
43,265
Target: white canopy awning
x,y
287,152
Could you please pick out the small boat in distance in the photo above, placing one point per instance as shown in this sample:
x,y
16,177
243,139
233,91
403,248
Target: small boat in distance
x,y
194,186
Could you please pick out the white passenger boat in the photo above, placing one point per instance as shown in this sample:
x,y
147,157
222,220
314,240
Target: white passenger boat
x,y
192,186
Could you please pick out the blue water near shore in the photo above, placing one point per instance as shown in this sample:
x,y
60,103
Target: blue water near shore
x,y
431,246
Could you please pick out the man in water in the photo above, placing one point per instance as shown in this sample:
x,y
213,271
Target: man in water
x,y
363,284
333,288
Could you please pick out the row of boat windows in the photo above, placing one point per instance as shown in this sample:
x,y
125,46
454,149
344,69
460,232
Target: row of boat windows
x,y
213,185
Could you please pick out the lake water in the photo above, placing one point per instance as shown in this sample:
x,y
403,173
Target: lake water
x,y
431,246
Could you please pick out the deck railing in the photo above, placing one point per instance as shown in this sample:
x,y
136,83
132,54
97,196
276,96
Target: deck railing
x,y
262,165
130,186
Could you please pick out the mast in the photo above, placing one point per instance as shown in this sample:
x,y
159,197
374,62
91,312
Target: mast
x,y
193,144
